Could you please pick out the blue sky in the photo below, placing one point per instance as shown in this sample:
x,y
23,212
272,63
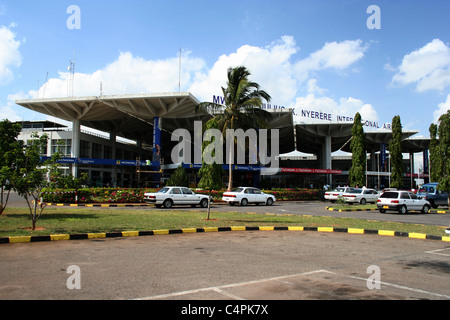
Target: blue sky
x,y
309,55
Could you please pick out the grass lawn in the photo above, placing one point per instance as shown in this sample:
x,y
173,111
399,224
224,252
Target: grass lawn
x,y
16,222
370,207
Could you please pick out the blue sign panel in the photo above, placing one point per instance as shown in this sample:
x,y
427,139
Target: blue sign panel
x,y
104,162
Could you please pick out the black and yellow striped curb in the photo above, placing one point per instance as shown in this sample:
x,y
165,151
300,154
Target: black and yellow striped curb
x,y
85,236
102,205
439,211
349,210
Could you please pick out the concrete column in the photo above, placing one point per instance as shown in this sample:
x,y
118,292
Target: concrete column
x,y
76,134
411,164
327,157
373,160
112,139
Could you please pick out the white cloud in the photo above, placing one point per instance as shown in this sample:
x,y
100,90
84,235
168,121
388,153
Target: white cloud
x,y
333,55
269,66
312,87
427,67
275,67
128,74
10,111
442,108
10,56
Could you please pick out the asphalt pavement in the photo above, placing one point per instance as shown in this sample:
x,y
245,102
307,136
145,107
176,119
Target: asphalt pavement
x,y
251,265
234,265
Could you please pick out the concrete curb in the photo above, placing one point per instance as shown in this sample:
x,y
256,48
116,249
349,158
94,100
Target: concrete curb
x,y
102,205
349,210
85,236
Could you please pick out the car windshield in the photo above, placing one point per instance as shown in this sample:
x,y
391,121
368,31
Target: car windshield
x,y
163,190
355,191
426,189
238,189
339,190
390,194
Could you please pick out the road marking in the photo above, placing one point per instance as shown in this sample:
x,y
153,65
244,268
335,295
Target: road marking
x,y
402,287
438,253
219,289
227,294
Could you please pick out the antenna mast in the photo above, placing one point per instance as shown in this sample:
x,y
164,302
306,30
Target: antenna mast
x,y
179,74
70,83
45,84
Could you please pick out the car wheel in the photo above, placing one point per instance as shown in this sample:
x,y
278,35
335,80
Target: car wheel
x,y
426,209
269,202
382,210
433,205
403,210
167,203
244,202
204,203
363,201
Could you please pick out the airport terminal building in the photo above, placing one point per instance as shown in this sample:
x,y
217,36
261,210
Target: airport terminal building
x,y
134,138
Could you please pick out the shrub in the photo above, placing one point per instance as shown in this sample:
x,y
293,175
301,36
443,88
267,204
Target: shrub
x,y
126,195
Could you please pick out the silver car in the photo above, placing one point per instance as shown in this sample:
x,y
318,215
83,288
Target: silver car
x,y
402,201
334,194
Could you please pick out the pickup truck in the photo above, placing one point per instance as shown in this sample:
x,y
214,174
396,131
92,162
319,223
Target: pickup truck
x,y
430,192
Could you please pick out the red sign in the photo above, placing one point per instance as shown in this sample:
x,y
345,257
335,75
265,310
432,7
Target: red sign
x,y
307,170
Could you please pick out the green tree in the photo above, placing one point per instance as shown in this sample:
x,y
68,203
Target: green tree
x,y
8,147
443,154
357,172
178,178
29,175
434,160
242,110
395,150
210,174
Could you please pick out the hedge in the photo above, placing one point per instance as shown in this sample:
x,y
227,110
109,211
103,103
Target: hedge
x,y
125,195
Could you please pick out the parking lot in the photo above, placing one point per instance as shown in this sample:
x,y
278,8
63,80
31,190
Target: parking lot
x,y
235,265
261,265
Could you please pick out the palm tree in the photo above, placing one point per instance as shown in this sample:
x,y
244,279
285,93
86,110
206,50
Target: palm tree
x,y
243,107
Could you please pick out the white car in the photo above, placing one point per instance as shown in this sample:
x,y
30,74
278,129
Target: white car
x,y
361,196
246,195
402,201
334,194
169,196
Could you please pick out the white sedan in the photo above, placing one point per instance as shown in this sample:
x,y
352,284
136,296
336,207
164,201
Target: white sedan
x,y
402,201
334,194
169,196
361,196
246,195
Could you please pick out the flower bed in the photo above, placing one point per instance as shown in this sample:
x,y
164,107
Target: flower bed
x,y
125,195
